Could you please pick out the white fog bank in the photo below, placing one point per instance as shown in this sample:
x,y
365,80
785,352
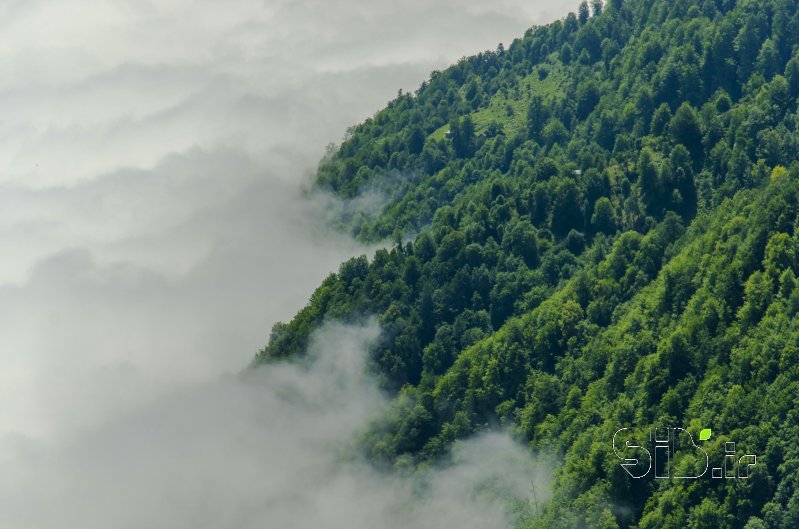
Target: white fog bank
x,y
272,448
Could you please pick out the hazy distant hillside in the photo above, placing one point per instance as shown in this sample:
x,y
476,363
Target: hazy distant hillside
x,y
604,222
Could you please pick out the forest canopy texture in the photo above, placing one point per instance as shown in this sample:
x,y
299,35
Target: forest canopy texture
x,y
594,228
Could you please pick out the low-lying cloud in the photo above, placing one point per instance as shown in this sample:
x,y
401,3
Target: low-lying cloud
x,y
273,447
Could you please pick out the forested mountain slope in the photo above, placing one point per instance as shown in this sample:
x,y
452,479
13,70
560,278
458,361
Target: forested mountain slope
x,y
604,222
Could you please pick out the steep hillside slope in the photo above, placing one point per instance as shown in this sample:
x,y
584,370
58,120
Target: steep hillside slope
x,y
604,235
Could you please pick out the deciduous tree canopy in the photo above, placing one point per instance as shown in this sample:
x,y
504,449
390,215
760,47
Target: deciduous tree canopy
x,y
604,219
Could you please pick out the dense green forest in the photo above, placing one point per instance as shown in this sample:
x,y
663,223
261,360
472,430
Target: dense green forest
x,y
593,227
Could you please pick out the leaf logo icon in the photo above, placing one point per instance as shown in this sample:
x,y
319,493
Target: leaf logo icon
x,y
705,434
